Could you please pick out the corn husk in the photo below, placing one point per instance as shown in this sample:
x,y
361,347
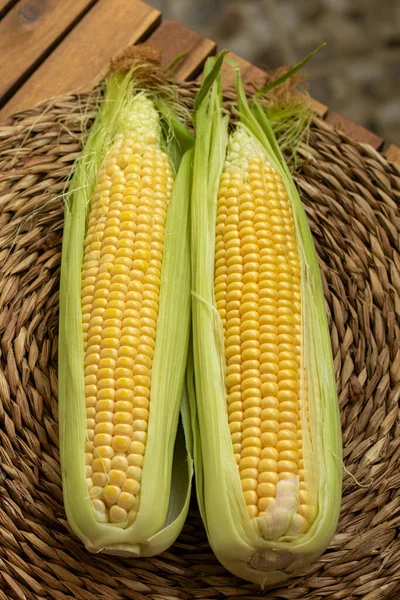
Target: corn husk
x,y
238,541
167,469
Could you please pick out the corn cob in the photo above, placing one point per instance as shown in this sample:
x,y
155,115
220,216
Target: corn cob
x,y
124,328
268,445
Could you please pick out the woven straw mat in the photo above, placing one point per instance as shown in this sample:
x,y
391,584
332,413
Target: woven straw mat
x,y
351,195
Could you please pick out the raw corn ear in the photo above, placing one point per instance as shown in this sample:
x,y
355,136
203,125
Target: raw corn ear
x,y
124,325
267,429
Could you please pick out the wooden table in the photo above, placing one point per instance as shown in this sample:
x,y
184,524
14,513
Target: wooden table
x,y
50,48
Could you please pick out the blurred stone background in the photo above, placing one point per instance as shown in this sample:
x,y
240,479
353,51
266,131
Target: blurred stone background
x,y
357,74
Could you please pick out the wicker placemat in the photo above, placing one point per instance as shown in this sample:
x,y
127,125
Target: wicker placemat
x,y
351,195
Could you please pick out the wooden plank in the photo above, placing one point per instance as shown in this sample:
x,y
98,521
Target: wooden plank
x,y
319,108
82,58
254,78
393,154
5,5
173,39
356,132
29,32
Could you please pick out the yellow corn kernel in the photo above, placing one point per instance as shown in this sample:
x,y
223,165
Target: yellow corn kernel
x,y
120,296
261,344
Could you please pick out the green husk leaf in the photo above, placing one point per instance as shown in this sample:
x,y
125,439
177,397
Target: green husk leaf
x,y
175,61
167,469
179,139
211,72
236,540
273,84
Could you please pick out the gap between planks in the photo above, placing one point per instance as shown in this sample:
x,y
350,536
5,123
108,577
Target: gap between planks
x,y
5,6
